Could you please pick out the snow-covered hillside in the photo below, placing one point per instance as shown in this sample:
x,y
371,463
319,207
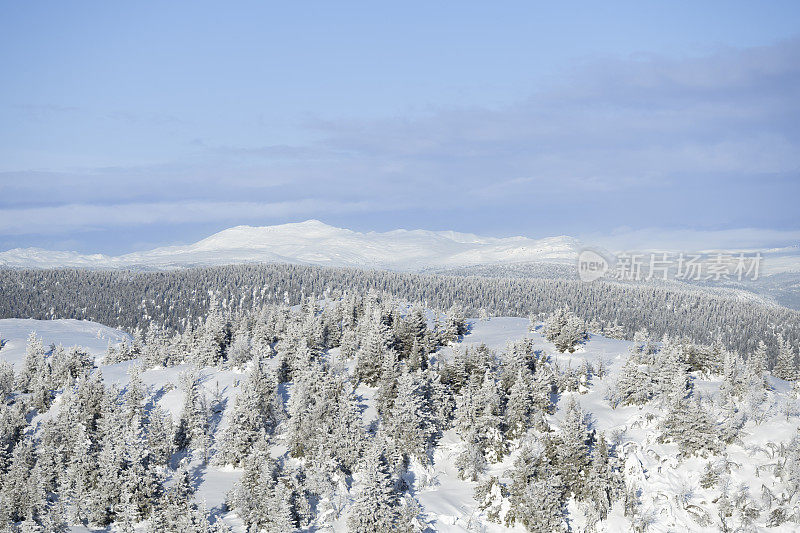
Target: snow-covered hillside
x,y
313,242
665,488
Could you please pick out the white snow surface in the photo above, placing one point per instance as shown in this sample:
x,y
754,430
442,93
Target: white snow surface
x,y
671,493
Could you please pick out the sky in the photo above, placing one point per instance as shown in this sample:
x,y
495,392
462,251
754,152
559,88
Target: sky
x,y
126,126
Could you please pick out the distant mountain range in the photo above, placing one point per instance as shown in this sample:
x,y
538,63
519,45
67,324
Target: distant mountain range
x,y
313,242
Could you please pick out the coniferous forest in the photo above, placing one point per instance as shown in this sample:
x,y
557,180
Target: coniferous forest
x,y
175,300
280,398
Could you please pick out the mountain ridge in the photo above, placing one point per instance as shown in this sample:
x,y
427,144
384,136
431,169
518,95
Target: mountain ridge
x,y
313,242
316,243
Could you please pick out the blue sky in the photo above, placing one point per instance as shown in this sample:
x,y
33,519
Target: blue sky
x,y
124,126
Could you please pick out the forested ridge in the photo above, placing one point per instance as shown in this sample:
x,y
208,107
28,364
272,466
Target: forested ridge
x,y
176,299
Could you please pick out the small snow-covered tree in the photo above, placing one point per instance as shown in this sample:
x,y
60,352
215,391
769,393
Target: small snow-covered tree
x,y
411,421
785,364
377,506
520,408
572,449
255,411
603,483
565,330
34,362
193,425
536,493
688,425
372,353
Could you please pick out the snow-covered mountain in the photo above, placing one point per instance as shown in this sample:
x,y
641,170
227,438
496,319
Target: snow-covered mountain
x,y
313,242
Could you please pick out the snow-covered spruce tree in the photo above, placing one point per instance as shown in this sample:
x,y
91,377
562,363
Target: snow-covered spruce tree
x,y
572,449
256,410
565,330
160,435
260,497
418,355
193,426
688,424
520,409
521,355
6,381
479,415
260,339
536,493
455,324
240,351
471,461
785,363
554,323
78,483
634,384
372,353
15,484
49,458
387,386
34,361
733,377
478,421
12,425
614,331
604,484
175,510
134,397
112,460
414,339
154,349
68,365
42,387
349,344
731,421
756,366
213,339
669,369
141,483
411,421
490,419
377,507
324,422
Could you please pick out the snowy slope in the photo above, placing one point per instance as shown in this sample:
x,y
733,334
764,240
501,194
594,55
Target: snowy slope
x,y
91,336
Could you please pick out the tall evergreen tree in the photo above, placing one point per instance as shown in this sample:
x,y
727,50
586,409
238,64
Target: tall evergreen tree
x,y
377,506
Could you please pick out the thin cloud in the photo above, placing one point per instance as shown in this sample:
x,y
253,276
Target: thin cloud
x,y
692,240
82,217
